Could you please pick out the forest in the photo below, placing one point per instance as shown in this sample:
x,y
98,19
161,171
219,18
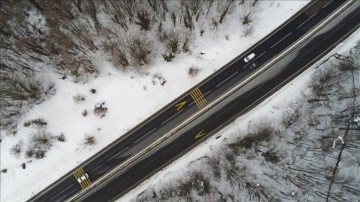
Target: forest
x,y
66,36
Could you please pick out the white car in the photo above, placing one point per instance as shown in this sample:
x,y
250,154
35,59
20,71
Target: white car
x,y
249,57
83,178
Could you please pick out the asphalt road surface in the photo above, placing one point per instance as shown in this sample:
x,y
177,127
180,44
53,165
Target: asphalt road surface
x,y
188,104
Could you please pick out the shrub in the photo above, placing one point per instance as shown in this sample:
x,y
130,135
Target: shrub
x,y
80,68
93,91
230,156
120,57
185,46
173,41
259,131
271,157
39,154
246,142
89,140
193,71
84,112
42,138
184,188
346,65
100,110
248,30
214,163
61,137
116,47
139,48
143,19
199,182
79,98
289,119
168,57
16,149
246,20
262,130
39,122
158,78
324,82
4,170
39,145
291,115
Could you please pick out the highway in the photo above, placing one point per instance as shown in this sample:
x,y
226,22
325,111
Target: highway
x,y
194,100
214,120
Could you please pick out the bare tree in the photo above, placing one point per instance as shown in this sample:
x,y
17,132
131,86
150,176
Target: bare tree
x,y
62,44
188,18
117,50
17,87
129,6
17,92
247,10
91,9
139,48
143,19
325,83
77,4
36,4
116,12
209,4
224,8
154,4
59,10
194,6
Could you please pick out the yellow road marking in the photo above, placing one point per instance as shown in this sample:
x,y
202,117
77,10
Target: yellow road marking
x,y
195,99
200,134
201,98
78,173
85,183
198,98
180,105
197,94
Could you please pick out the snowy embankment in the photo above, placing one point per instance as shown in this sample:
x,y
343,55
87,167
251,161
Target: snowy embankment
x,y
300,144
83,118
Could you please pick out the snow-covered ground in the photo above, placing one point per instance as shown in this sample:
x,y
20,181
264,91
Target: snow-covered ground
x,y
129,98
256,173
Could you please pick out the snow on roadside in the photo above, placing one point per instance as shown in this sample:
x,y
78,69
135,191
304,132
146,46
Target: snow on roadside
x,y
129,97
273,107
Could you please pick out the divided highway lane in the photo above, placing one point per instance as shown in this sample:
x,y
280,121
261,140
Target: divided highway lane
x,y
240,102
189,103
